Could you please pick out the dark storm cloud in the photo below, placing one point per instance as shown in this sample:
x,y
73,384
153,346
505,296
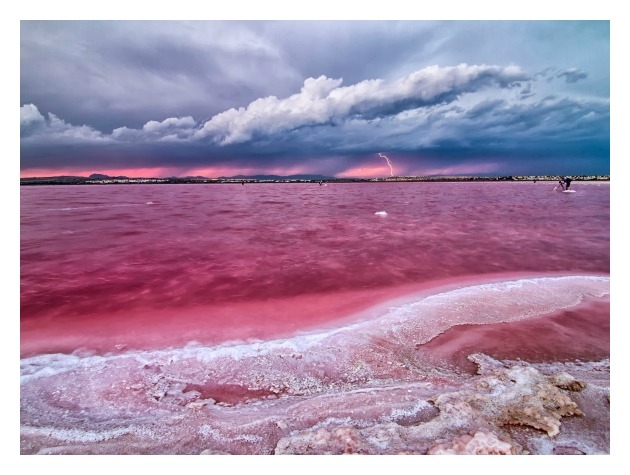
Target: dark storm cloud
x,y
113,74
274,93
354,50
572,75
323,101
558,118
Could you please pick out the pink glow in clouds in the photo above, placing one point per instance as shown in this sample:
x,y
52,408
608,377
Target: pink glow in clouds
x,y
128,172
365,170
288,318
383,170
375,171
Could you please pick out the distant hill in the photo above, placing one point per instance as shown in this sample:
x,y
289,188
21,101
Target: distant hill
x,y
276,177
53,179
98,176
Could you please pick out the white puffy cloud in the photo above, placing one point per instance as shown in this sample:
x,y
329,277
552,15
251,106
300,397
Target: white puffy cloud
x,y
171,129
322,100
170,124
29,115
463,104
60,129
34,127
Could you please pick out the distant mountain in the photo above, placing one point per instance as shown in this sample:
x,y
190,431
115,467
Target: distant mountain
x,y
98,176
56,179
276,177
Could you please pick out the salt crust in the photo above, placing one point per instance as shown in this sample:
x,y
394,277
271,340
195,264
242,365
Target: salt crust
x,y
329,369
481,443
503,395
449,417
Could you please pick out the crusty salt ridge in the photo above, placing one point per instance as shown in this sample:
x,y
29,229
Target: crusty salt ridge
x,y
500,410
470,420
358,389
480,443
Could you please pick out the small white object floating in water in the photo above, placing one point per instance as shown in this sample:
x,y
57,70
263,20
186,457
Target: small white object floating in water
x,y
381,213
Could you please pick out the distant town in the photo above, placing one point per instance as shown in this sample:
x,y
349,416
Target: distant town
x,y
98,179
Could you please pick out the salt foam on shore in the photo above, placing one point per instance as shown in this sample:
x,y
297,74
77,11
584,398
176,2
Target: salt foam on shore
x,y
360,388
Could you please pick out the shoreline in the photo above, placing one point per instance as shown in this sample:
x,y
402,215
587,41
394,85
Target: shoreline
x,y
79,180
257,321
371,388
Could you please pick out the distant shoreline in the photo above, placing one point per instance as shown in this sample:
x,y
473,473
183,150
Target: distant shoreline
x,y
105,180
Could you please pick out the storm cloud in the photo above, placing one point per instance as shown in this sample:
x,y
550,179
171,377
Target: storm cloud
x,y
206,97
322,101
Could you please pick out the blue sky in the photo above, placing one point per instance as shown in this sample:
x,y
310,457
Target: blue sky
x,y
218,98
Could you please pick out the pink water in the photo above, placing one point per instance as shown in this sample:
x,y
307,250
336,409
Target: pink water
x,y
253,296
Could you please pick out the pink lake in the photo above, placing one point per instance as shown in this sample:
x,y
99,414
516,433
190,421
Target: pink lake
x,y
231,307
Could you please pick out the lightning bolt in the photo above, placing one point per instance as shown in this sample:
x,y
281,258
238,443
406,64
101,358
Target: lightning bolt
x,y
391,170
